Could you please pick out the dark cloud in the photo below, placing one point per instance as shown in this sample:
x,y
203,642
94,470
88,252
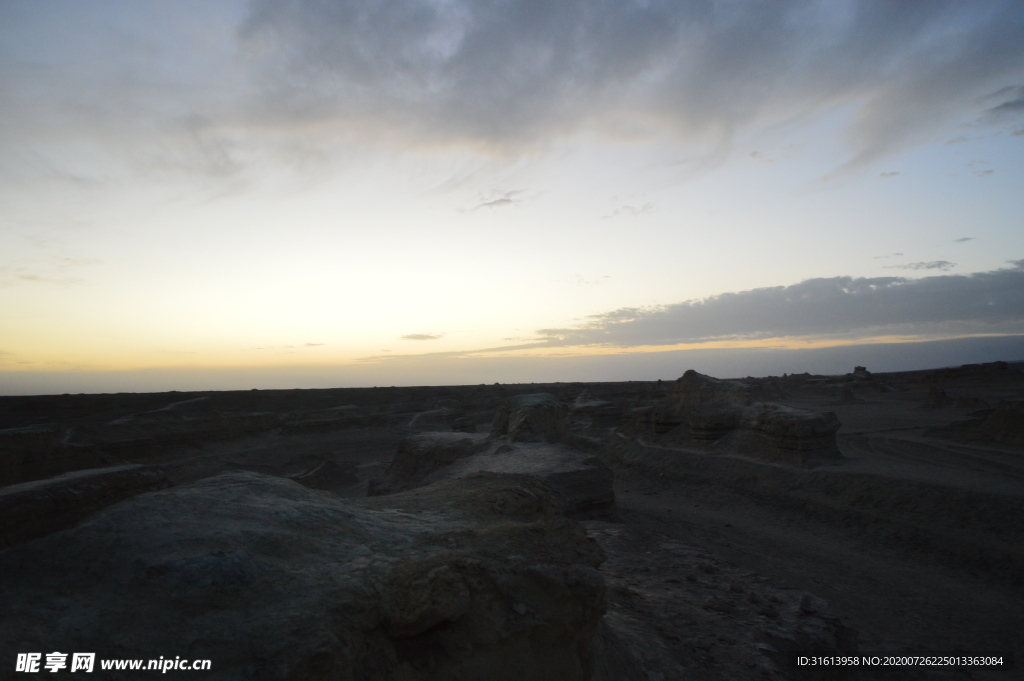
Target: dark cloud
x,y
836,307
422,336
963,239
1013,104
943,265
519,72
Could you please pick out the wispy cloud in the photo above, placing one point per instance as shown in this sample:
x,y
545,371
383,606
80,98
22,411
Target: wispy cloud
x,y
632,211
60,271
963,239
1012,103
305,78
893,173
943,265
422,336
518,72
500,199
580,280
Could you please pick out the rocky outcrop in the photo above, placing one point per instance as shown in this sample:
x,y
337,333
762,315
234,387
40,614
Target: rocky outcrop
x,y
588,412
530,418
937,399
1004,423
435,419
477,578
37,452
581,483
172,426
731,417
419,456
328,475
35,509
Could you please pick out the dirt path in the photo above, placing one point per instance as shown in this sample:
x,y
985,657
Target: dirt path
x,y
894,600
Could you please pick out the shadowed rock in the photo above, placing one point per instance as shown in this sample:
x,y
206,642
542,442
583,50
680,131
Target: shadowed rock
x,y
1006,421
731,417
582,483
530,418
590,412
327,475
421,455
471,579
36,452
35,509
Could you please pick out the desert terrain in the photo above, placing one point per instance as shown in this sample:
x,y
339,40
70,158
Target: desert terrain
x,y
698,528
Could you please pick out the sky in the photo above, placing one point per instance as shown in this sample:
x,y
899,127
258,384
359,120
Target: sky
x,y
318,193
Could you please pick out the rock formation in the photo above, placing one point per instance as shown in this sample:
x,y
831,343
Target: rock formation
x,y
588,412
477,578
36,452
1006,422
731,417
34,509
582,484
530,418
421,455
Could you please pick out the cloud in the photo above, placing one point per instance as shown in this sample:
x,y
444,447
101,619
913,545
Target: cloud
x,y
56,269
314,345
279,88
890,174
963,239
633,211
885,257
580,280
1012,105
943,265
517,74
983,173
834,307
422,336
504,199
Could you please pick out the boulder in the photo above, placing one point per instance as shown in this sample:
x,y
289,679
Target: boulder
x,y
34,509
530,418
476,578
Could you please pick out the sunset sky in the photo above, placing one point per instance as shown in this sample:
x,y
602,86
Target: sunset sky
x,y
316,193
